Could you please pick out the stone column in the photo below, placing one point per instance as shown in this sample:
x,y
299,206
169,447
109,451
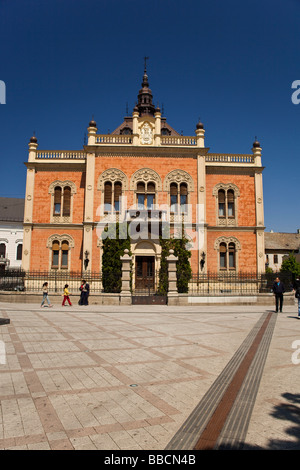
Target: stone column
x,y
125,297
172,279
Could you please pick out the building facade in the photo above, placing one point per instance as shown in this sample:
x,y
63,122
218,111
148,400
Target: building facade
x,y
278,246
11,232
148,174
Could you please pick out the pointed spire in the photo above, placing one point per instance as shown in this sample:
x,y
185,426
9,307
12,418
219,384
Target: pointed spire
x,y
145,104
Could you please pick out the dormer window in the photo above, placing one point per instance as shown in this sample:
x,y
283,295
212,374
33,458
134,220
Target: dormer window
x,y
126,131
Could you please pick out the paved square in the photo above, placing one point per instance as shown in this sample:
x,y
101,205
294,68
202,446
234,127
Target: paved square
x,y
103,377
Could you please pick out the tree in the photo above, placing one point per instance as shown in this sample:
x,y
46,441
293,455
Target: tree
x,y
290,264
115,240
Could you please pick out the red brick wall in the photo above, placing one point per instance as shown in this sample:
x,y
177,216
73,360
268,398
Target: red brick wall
x,y
42,199
40,253
246,201
246,256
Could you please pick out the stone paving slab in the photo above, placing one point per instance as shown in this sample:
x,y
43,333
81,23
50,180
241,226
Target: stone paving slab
x,y
127,378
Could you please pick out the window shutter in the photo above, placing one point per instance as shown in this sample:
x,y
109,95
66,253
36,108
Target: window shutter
x,y
55,245
140,188
230,196
151,188
65,245
117,196
173,189
221,196
118,191
57,200
67,202
107,195
183,189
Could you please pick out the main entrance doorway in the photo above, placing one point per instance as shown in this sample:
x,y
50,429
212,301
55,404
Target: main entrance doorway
x,y
144,273
145,282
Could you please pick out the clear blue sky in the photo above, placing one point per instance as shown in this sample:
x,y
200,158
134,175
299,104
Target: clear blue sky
x,y
231,63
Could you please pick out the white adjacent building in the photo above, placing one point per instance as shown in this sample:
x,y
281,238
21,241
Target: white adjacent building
x,y
11,232
279,245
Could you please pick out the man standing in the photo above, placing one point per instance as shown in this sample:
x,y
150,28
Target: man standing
x,y
278,290
297,293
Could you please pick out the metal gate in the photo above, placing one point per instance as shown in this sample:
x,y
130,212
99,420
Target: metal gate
x,y
146,283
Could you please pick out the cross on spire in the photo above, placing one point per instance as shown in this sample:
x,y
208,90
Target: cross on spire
x,y
145,62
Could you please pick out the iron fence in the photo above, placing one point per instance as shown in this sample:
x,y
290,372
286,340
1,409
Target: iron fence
x,y
32,281
226,283
200,284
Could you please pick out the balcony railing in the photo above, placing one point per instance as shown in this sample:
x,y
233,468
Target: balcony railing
x,y
60,155
179,140
114,139
233,158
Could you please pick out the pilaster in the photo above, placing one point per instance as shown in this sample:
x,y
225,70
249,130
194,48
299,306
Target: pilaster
x,y
259,206
201,214
157,127
28,206
89,210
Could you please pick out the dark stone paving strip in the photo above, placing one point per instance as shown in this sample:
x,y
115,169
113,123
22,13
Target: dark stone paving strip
x,y
204,426
235,429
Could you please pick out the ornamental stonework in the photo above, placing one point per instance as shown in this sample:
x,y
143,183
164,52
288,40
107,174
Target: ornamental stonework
x,y
178,176
145,175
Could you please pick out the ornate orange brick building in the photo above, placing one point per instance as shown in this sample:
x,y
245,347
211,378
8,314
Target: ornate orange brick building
x,y
145,172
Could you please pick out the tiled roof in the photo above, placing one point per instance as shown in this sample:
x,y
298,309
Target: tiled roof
x,y
11,209
282,241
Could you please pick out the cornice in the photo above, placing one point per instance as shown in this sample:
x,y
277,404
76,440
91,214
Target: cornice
x,y
253,228
57,165
143,151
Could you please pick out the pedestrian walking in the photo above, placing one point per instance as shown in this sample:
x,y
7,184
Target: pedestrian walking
x,y
278,290
45,295
297,293
84,293
66,295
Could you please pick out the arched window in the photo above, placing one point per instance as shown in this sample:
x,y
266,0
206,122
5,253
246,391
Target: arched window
x,y
57,200
223,257
183,197
2,250
145,195
112,196
230,203
64,254
107,196
226,203
231,256
67,201
117,196
60,254
227,254
178,197
55,254
173,197
62,193
221,202
19,251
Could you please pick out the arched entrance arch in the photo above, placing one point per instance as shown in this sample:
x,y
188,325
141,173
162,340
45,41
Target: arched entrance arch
x,y
146,263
